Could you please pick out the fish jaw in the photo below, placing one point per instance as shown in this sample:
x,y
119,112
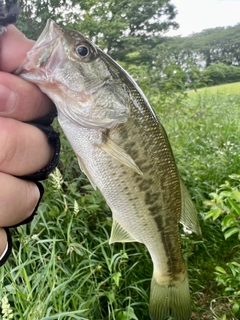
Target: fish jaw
x,y
44,57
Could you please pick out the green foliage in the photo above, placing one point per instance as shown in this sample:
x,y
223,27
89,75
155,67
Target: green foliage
x,y
202,133
225,206
117,26
208,58
221,44
218,73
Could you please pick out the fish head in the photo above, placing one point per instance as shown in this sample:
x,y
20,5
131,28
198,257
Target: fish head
x,y
81,79
55,48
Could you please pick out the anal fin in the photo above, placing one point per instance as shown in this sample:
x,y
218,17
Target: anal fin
x,y
120,234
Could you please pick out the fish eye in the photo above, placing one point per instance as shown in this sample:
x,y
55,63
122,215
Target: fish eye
x,y
82,51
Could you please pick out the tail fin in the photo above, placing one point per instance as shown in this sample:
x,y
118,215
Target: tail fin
x,y
170,301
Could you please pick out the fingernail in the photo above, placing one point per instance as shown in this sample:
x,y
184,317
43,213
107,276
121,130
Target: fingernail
x,y
4,252
4,243
8,99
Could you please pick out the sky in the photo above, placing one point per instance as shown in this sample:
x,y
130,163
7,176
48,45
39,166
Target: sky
x,y
196,15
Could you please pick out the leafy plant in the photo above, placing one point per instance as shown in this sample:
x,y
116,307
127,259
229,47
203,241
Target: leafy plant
x,y
225,206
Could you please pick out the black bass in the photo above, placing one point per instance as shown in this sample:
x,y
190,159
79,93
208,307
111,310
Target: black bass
x,y
124,151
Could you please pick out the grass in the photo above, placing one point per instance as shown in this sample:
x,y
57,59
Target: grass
x,y
204,133
62,266
229,88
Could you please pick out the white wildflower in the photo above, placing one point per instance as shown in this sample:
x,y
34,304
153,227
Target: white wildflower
x,y
57,179
75,208
6,309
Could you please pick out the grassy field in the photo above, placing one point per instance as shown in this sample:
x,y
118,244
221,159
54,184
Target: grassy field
x,y
230,88
62,266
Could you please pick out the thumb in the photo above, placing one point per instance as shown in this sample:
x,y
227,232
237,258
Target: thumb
x,y
14,46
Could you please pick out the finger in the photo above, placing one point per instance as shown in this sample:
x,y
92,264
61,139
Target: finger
x,y
24,149
3,241
18,199
22,100
14,46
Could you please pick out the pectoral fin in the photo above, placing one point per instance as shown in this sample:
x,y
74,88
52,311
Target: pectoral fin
x,y
119,234
189,216
119,154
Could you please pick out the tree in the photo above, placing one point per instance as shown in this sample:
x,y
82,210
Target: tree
x,y
118,26
221,44
219,72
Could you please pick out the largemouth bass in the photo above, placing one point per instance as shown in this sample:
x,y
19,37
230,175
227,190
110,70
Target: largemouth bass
x,y
124,151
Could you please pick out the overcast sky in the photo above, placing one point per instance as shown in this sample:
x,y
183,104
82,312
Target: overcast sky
x,y
196,15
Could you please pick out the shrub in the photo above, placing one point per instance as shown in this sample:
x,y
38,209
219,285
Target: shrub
x,y
225,206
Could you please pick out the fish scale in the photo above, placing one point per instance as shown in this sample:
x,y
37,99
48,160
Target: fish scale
x,y
124,151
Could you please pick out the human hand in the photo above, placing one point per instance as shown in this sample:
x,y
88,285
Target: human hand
x,y
24,149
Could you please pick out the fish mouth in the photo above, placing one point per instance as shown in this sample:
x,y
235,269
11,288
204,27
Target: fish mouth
x,y
50,34
39,56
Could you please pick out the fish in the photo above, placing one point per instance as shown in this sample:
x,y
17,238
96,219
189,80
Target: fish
x,y
124,151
